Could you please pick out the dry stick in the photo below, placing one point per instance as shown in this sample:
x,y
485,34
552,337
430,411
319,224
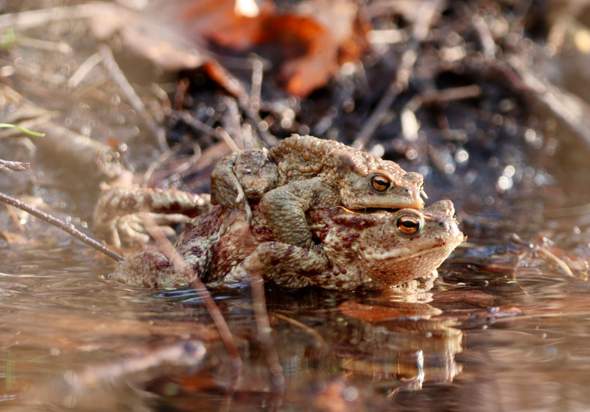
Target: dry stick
x,y
218,133
131,95
9,165
35,18
409,123
180,265
84,69
66,227
426,14
256,88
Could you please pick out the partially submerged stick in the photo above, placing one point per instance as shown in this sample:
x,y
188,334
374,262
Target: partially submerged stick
x,y
180,265
66,227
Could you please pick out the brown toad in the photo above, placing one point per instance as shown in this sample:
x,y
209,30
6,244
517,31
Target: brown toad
x,y
299,174
375,250
305,172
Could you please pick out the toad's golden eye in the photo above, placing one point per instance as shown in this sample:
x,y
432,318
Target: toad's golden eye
x,y
380,183
409,225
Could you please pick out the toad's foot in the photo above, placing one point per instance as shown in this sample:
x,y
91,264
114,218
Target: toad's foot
x,y
123,215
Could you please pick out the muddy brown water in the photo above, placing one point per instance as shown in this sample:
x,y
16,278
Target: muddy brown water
x,y
489,338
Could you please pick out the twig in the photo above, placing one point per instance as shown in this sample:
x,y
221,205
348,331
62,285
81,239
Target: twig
x,y
35,18
8,165
409,122
188,353
198,125
265,333
66,227
486,39
180,265
256,88
85,68
320,341
131,95
427,13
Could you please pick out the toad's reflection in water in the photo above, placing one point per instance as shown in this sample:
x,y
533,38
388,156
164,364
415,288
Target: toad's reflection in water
x,y
406,346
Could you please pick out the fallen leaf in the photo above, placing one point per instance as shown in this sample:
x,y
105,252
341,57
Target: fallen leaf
x,y
311,40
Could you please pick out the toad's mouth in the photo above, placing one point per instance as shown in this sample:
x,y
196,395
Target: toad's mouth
x,y
369,210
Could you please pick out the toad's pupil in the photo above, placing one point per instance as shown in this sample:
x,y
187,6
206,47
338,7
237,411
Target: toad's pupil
x,y
380,183
409,225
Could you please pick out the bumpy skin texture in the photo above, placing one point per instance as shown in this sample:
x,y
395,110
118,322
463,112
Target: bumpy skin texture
x,y
359,249
305,172
121,213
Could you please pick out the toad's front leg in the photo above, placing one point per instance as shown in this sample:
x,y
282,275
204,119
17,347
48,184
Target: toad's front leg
x,y
122,215
285,207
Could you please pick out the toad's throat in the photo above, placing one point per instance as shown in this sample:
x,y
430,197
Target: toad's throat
x,y
402,254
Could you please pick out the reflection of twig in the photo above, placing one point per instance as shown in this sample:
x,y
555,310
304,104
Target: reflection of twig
x,y
426,15
130,94
180,265
66,227
189,353
265,332
320,341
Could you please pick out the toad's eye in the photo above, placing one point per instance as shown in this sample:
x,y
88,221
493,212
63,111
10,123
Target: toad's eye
x,y
409,225
380,183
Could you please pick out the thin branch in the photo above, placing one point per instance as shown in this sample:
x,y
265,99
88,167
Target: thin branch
x,y
8,165
180,265
131,95
36,18
427,13
66,227
84,69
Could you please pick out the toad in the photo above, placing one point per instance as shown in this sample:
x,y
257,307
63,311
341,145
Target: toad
x,y
299,174
306,172
378,249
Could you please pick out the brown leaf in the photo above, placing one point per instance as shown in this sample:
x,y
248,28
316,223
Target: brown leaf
x,y
312,39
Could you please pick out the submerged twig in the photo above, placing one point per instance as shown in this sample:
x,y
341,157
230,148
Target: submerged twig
x,y
66,227
180,265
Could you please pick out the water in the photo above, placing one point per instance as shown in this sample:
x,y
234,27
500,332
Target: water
x,y
515,344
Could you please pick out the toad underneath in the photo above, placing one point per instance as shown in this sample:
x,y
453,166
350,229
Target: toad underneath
x,y
374,249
